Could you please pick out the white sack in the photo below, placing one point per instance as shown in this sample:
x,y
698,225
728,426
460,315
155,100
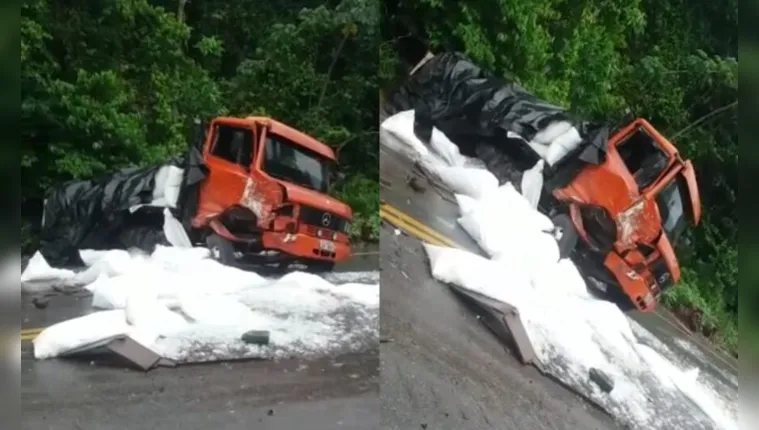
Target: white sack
x,y
90,256
466,204
541,150
217,311
174,231
38,270
562,145
532,184
78,332
145,312
446,149
401,126
173,186
468,181
547,135
109,263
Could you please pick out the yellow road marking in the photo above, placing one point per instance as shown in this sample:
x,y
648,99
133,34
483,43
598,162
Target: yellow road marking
x,y
405,222
30,333
409,228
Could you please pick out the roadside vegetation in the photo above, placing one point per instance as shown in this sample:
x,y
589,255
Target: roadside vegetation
x,y
673,62
112,84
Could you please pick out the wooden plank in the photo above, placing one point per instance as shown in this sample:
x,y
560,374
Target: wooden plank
x,y
519,333
511,323
137,354
126,348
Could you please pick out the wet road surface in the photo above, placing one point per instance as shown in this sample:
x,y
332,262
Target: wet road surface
x,y
452,363
441,366
329,393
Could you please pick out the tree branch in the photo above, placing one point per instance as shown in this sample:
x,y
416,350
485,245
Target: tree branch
x,y
342,144
331,67
703,119
180,10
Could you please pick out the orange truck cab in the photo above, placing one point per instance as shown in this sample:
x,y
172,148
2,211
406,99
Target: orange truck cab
x,y
265,196
630,210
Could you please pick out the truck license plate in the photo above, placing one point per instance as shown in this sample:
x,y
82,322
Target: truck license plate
x,y
326,245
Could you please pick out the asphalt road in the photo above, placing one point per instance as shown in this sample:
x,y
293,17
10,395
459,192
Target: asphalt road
x,y
329,393
443,366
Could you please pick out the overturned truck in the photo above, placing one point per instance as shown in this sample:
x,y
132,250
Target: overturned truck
x,y
627,193
251,189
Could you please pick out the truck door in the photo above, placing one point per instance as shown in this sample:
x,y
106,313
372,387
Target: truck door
x,y
229,153
261,194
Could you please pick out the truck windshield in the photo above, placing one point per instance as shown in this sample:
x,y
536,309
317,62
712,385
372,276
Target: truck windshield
x,y
288,161
643,157
671,202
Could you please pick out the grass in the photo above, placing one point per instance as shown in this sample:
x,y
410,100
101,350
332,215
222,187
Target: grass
x,y
703,314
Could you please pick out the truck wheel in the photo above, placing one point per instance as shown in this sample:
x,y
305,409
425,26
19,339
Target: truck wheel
x,y
566,235
615,295
612,292
145,238
319,266
221,249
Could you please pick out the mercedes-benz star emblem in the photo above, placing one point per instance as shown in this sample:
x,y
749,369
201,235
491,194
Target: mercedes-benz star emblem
x,y
326,219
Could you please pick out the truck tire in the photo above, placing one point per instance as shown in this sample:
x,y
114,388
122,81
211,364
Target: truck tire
x,y
319,266
145,238
611,292
616,295
221,249
568,237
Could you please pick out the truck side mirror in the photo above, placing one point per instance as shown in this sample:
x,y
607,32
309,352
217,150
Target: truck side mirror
x,y
196,133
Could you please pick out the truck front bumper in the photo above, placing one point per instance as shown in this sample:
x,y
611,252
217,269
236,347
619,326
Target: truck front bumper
x,y
633,284
301,245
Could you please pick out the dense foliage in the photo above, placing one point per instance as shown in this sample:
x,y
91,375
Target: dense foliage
x,y
108,84
673,62
749,240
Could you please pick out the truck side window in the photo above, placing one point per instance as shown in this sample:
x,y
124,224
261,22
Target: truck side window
x,y
233,144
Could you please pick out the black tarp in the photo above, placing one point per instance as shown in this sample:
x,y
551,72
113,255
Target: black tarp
x,y
477,110
94,214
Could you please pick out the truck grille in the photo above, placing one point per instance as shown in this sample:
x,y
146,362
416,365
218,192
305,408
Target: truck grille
x,y
323,219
